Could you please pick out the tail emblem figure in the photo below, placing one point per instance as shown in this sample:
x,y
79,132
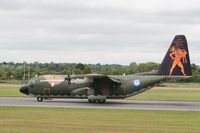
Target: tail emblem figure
x,y
179,58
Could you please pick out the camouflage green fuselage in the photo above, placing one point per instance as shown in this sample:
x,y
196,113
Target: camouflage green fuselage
x,y
82,86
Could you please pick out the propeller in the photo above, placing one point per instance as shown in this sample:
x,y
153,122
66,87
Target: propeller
x,y
68,78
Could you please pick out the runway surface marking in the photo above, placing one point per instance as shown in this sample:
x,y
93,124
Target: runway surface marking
x,y
110,104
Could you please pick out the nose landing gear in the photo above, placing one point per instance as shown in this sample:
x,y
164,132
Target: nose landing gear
x,y
39,99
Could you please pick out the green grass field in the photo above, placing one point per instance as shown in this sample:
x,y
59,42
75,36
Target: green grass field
x,y
171,91
11,90
62,120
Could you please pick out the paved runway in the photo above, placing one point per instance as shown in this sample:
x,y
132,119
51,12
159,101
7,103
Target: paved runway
x,y
110,104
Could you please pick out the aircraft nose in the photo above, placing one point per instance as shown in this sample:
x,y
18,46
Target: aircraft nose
x,y
24,89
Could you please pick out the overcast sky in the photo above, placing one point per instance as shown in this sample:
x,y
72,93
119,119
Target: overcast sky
x,y
96,31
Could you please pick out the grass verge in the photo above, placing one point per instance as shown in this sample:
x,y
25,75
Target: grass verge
x,y
62,120
11,90
171,91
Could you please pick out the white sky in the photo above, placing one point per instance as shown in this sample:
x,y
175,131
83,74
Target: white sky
x,y
96,31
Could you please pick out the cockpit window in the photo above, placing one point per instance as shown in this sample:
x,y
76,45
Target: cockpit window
x,y
32,81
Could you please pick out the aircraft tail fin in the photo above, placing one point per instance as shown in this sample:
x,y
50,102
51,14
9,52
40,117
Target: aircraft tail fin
x,y
176,61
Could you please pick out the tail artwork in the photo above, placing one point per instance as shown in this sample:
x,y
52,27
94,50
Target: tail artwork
x,y
177,60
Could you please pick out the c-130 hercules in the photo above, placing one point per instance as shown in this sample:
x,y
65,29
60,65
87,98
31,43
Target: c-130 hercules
x,y
98,87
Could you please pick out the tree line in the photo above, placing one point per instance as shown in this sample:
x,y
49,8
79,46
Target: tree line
x,y
19,71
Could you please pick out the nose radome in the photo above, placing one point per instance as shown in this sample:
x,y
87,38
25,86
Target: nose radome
x,y
24,89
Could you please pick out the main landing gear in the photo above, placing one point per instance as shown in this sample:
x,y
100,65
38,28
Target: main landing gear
x,y
96,101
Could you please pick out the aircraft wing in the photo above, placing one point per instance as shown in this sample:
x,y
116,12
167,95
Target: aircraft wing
x,y
103,77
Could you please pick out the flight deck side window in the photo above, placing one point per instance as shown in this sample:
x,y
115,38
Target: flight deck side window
x,y
33,81
31,85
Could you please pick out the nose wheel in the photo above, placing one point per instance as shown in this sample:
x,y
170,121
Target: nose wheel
x,y
39,99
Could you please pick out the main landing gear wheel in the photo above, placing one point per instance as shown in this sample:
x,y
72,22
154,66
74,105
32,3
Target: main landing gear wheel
x,y
91,101
97,101
101,101
39,99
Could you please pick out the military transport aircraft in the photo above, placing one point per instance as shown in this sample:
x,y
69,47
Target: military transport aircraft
x,y
98,87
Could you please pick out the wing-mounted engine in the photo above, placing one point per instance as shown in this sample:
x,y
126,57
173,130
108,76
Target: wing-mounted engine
x,y
77,84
